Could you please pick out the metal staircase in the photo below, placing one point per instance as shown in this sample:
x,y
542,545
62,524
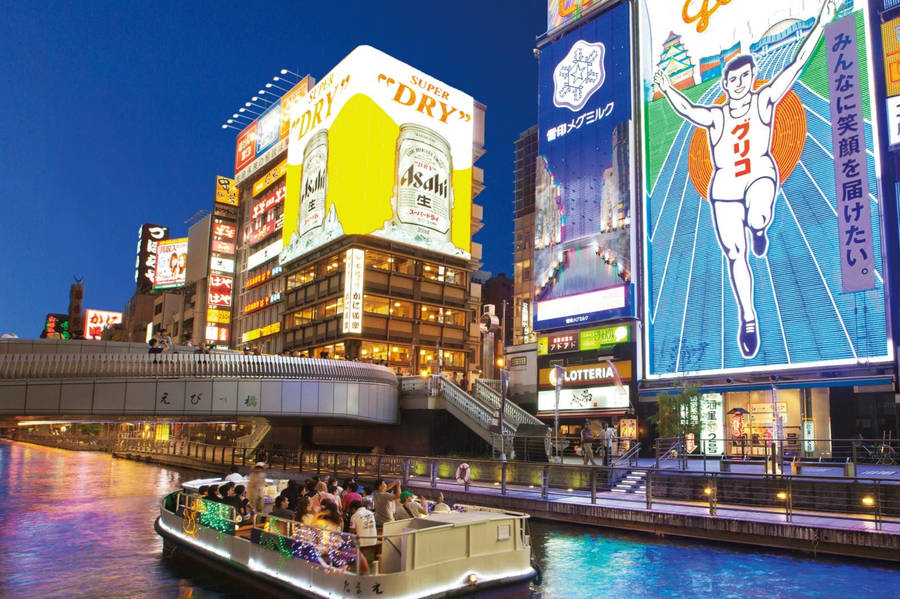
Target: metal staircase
x,y
633,482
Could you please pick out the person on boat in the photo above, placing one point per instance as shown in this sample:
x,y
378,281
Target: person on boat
x,y
239,501
330,518
440,507
321,495
234,476
225,490
202,490
362,524
281,508
212,493
304,513
292,492
257,486
409,507
385,498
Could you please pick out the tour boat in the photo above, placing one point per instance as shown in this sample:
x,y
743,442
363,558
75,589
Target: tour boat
x,y
467,552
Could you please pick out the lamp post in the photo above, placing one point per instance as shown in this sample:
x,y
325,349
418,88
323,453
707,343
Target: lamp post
x,y
504,385
560,375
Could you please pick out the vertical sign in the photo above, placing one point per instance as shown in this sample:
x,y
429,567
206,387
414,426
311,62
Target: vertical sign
x,y
226,191
849,146
354,266
149,237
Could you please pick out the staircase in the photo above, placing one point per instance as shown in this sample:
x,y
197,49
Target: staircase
x,y
634,482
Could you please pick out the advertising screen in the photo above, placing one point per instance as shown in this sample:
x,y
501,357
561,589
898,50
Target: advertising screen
x,y
149,237
379,148
560,12
171,263
762,240
582,217
97,321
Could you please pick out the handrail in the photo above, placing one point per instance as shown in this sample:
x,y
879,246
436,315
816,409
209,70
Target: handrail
x,y
629,458
512,411
469,405
174,365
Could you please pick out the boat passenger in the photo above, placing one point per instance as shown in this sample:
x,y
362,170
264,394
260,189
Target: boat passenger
x,y
409,507
304,513
440,507
257,486
234,476
385,501
362,524
321,495
292,492
212,493
329,518
281,508
233,498
202,490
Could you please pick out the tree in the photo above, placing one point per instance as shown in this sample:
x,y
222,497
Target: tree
x,y
679,413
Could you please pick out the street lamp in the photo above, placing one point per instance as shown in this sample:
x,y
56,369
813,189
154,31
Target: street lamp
x,y
560,375
504,386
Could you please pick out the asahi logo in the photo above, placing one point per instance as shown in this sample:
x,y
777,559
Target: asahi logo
x,y
420,180
313,184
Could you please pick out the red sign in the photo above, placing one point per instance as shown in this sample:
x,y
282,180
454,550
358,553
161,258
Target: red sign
x,y
564,342
258,279
261,232
220,291
271,199
224,231
245,148
223,236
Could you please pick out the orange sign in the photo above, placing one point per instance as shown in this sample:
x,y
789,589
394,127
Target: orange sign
x,y
287,101
890,40
226,191
270,177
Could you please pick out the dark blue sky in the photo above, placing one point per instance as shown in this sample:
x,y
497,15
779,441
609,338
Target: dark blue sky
x,y
111,113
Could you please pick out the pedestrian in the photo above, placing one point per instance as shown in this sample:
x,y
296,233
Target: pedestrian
x,y
609,443
587,440
256,488
464,383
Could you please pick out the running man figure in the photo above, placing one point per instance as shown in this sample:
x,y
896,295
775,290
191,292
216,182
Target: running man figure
x,y
745,177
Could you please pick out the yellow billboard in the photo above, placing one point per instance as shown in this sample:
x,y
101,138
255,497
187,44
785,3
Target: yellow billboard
x,y
890,40
226,191
379,148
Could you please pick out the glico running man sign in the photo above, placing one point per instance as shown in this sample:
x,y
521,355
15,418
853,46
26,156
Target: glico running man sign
x,y
582,218
762,224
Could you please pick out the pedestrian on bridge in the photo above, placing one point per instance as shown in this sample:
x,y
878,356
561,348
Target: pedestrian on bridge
x,y
587,439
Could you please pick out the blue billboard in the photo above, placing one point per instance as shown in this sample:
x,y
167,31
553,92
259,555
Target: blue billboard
x,y
583,245
762,221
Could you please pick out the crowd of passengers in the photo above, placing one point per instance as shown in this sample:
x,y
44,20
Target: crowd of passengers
x,y
325,503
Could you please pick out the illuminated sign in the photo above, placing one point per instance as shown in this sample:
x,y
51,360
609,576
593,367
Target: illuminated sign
x,y
262,302
354,269
97,321
604,338
582,374
560,12
892,106
220,291
583,188
734,285
262,277
261,332
589,398
380,148
262,230
275,173
890,40
223,236
56,326
245,147
223,265
171,263
218,316
226,191
264,255
219,334
562,343
288,100
518,361
268,124
272,199
149,237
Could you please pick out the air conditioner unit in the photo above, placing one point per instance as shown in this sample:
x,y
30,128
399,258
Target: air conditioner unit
x,y
490,309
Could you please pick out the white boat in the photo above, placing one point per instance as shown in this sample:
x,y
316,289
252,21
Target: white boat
x,y
467,552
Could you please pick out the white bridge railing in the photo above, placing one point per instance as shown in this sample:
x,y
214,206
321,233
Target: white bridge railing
x,y
30,366
487,390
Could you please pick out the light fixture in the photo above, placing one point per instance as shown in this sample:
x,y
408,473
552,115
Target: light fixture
x,y
287,72
781,495
268,85
707,491
868,501
472,578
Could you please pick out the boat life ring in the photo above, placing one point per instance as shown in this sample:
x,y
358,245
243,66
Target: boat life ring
x,y
462,473
538,577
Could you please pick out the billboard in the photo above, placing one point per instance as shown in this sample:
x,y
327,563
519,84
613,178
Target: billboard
x,y
219,291
223,237
226,191
763,239
171,263
149,237
582,257
245,147
97,321
379,148
560,12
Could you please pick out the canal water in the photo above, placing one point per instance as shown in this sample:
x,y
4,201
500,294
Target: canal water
x,y
80,525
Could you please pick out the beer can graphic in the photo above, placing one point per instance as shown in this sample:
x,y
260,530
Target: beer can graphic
x,y
423,193
313,184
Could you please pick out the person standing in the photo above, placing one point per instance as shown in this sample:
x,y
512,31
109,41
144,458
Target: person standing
x,y
587,440
385,501
256,488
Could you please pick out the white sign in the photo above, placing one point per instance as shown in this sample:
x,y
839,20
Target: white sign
x,y
579,75
221,264
264,255
611,298
893,120
354,268
809,436
589,398
712,427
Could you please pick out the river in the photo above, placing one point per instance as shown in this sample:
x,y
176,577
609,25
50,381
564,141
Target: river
x,y
80,525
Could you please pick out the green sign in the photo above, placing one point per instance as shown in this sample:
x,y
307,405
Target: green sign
x,y
604,338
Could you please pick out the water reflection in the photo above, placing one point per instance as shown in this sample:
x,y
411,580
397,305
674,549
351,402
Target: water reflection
x,y
80,524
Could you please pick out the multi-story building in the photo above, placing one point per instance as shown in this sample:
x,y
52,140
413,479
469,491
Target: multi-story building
x,y
523,235
314,279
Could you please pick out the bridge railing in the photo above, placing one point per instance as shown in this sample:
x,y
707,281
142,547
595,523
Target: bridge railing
x,y
488,392
174,365
869,499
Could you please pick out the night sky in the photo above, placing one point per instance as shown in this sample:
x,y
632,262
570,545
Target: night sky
x,y
112,113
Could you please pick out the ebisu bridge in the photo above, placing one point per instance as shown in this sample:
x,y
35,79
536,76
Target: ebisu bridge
x,y
95,379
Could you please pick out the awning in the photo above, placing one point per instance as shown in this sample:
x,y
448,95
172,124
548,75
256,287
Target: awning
x,y
651,393
599,413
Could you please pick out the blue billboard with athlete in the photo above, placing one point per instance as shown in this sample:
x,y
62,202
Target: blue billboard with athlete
x,y
761,214
583,207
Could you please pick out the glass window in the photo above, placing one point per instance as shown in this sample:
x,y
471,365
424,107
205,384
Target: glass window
x,y
406,266
333,263
443,274
335,351
331,307
441,315
302,317
378,260
454,358
402,309
376,305
301,277
374,351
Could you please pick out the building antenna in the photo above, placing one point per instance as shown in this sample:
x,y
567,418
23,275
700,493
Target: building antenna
x,y
197,216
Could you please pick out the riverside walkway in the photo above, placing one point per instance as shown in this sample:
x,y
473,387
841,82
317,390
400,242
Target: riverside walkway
x,y
857,517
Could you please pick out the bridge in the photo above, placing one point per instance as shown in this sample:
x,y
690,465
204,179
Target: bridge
x,y
101,380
